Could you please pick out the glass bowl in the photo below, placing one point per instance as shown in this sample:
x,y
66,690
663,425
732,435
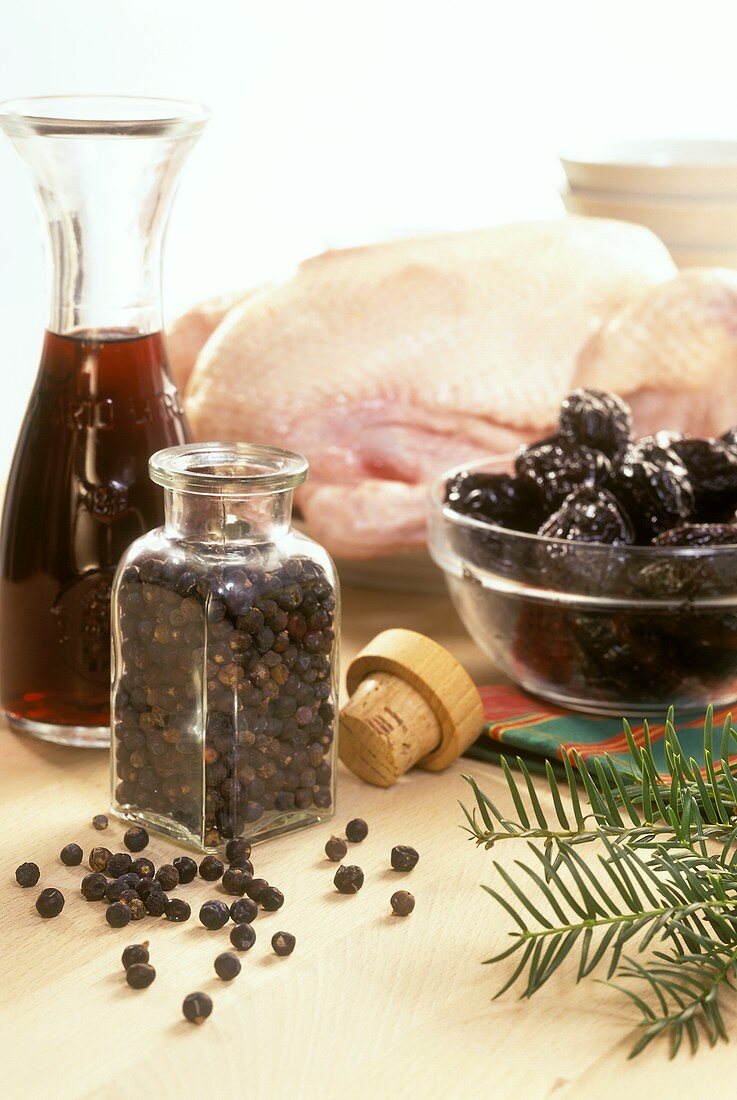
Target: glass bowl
x,y
624,630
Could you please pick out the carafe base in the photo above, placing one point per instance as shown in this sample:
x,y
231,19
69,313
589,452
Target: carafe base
x,y
85,737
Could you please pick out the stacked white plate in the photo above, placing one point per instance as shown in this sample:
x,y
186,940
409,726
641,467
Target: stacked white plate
x,y
685,191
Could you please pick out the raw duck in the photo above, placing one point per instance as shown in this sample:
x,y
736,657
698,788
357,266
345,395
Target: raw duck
x,y
189,333
387,364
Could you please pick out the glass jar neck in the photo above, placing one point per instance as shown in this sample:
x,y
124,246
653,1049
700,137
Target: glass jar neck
x,y
104,184
227,520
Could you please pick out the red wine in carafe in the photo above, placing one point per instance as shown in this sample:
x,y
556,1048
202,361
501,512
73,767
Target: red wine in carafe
x,y
77,496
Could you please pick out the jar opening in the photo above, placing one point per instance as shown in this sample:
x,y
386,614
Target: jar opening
x,y
227,469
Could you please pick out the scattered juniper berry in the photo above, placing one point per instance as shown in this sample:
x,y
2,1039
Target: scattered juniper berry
x,y
100,821
235,849
336,849
356,830
244,910
50,902
93,886
243,865
144,867
155,903
283,943
140,975
167,876
115,888
137,907
214,914
235,881
136,838
242,936
255,888
348,879
135,953
98,859
227,966
186,869
71,855
402,903
118,864
271,899
118,914
404,858
27,874
177,910
197,1007
211,868
146,886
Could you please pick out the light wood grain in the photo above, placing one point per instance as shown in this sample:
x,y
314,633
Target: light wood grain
x,y
369,1005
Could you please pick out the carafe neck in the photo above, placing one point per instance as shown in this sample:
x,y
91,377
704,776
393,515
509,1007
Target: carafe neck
x,y
103,269
105,171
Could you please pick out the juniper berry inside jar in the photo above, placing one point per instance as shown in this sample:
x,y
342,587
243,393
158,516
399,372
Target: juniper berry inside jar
x,y
225,656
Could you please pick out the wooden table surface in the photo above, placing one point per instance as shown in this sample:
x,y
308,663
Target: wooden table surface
x,y
369,1005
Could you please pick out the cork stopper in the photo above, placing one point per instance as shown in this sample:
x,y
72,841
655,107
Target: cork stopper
x,y
411,703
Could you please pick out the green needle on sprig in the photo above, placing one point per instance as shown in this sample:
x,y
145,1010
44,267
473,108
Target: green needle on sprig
x,y
657,906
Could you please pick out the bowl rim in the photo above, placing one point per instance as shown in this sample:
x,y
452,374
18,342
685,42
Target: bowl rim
x,y
437,503
658,154
660,203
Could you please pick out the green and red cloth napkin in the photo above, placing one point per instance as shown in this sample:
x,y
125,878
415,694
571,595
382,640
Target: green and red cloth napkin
x,y
518,724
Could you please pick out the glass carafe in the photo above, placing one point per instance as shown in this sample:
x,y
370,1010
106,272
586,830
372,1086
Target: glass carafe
x,y
105,170
225,654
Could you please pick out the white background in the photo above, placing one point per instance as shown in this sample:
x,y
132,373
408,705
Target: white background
x,y
345,121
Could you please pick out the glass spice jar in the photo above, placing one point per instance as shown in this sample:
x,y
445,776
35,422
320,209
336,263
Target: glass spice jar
x,y
225,656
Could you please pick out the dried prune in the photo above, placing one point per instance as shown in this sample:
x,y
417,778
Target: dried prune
x,y
599,420
541,643
664,439
498,498
553,470
605,657
496,550
626,654
729,437
590,515
601,643
707,645
699,534
672,577
654,488
586,516
712,468
492,498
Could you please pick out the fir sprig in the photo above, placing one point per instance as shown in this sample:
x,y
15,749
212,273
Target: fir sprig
x,y
685,994
663,887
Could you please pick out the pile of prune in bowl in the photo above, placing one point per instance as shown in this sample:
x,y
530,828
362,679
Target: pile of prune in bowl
x,y
596,569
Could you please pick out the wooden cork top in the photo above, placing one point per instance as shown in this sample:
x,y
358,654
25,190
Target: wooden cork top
x,y
411,704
